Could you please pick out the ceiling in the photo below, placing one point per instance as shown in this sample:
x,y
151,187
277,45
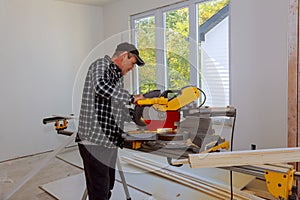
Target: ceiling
x,y
91,2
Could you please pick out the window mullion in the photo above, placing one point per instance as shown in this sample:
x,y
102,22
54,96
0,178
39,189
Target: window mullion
x,y
160,53
193,38
135,72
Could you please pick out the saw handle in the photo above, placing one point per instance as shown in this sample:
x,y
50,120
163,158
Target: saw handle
x,y
151,101
167,92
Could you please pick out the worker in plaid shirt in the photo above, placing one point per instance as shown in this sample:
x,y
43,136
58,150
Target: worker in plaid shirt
x,y
101,119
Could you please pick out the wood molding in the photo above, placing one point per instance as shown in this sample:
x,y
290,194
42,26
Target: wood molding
x,y
249,157
293,60
293,80
213,190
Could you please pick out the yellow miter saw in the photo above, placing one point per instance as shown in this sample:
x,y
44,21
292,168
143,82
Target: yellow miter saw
x,y
171,120
162,110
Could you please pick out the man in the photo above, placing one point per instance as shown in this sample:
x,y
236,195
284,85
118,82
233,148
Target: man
x,y
101,119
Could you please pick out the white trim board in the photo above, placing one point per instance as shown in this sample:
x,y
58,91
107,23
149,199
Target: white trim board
x,y
160,187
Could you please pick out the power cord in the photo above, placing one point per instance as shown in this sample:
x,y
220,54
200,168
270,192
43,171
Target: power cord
x,y
204,97
231,141
231,148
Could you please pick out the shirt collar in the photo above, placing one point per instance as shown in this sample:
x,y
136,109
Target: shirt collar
x,y
113,65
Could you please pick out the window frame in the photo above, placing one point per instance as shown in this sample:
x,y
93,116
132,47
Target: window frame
x,y
161,72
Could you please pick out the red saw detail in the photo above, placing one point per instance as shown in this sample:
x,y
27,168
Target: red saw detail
x,y
169,122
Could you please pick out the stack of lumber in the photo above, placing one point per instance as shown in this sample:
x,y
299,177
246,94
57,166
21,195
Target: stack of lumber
x,y
214,190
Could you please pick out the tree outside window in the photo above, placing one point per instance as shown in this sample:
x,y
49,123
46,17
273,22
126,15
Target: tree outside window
x,y
176,24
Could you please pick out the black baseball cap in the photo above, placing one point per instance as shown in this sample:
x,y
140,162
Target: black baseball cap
x,y
125,46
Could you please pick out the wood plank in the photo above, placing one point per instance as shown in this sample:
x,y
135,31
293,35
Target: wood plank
x,y
296,7
160,187
293,74
249,157
260,189
168,175
239,180
219,193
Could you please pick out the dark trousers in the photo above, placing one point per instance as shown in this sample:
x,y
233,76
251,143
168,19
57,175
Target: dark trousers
x,y
99,167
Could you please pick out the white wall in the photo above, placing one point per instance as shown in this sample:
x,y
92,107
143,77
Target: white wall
x,y
117,14
258,64
215,62
259,72
43,43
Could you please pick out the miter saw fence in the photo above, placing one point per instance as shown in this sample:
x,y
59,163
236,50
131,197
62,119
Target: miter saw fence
x,y
198,123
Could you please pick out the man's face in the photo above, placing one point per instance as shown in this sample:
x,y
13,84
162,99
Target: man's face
x,y
129,60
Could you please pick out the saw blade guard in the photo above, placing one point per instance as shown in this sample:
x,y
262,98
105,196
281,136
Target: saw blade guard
x,y
138,110
152,118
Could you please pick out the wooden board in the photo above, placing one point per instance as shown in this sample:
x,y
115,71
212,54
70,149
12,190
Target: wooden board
x,y
208,188
293,77
250,157
293,64
160,187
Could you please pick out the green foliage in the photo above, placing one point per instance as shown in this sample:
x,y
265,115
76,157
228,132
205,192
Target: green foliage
x,y
207,9
145,31
177,45
177,32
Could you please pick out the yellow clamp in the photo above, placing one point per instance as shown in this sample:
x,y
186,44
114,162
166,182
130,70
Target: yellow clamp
x,y
59,126
280,184
223,145
136,145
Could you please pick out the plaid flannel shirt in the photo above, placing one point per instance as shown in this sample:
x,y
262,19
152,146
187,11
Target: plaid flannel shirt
x,y
103,106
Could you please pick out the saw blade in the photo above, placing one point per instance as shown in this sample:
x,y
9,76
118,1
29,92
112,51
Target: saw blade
x,y
138,117
150,113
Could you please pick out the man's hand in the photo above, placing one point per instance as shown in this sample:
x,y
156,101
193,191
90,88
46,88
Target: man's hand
x,y
120,142
138,97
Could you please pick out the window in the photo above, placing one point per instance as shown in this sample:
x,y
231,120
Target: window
x,y
177,48
145,40
184,44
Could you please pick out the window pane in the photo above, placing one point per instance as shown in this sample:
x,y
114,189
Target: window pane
x,y
145,38
177,48
172,47
214,51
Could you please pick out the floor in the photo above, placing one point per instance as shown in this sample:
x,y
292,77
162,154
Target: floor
x,y
13,171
